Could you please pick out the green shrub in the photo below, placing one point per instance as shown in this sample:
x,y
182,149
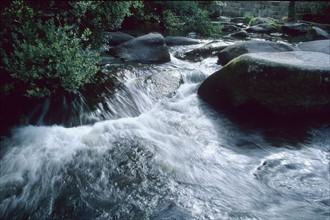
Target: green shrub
x,y
42,59
99,16
49,63
181,17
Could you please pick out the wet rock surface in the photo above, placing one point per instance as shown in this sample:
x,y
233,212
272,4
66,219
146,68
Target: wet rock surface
x,y
206,50
253,46
317,46
177,40
116,38
285,84
150,48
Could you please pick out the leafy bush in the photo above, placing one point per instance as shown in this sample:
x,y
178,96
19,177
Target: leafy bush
x,y
42,59
50,63
99,16
180,17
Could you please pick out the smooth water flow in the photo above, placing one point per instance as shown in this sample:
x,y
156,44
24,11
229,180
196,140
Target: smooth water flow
x,y
165,157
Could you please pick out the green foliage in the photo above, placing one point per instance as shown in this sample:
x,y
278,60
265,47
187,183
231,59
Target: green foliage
x,y
41,59
99,16
249,17
181,17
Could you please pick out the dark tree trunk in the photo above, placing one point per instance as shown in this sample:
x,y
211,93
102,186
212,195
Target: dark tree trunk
x,y
292,11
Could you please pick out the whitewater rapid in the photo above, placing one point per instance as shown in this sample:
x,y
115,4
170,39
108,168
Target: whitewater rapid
x,y
167,158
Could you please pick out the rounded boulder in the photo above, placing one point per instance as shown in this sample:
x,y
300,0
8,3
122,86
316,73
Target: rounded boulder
x,y
293,83
150,48
253,46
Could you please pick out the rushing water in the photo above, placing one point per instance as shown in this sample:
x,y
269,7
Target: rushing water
x,y
165,157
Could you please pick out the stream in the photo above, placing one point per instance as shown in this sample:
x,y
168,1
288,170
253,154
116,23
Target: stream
x,y
164,157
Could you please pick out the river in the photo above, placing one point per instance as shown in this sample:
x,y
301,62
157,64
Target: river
x,y
165,157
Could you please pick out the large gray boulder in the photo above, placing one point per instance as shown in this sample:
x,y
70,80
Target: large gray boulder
x,y
150,48
207,50
116,38
253,46
240,34
262,28
317,46
296,29
291,84
177,40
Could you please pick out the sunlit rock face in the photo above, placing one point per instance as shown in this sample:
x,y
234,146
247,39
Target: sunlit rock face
x,y
287,84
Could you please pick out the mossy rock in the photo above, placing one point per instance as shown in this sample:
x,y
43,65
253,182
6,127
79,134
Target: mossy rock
x,y
293,83
253,46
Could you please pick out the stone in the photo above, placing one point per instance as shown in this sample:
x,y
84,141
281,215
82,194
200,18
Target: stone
x,y
316,46
228,27
253,46
166,83
261,20
150,48
162,84
319,33
240,34
176,40
262,28
116,38
285,84
224,19
239,20
206,50
295,29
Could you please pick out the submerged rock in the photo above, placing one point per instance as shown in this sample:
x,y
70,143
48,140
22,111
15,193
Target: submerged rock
x,y
176,40
162,84
166,84
253,46
317,46
150,48
284,84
